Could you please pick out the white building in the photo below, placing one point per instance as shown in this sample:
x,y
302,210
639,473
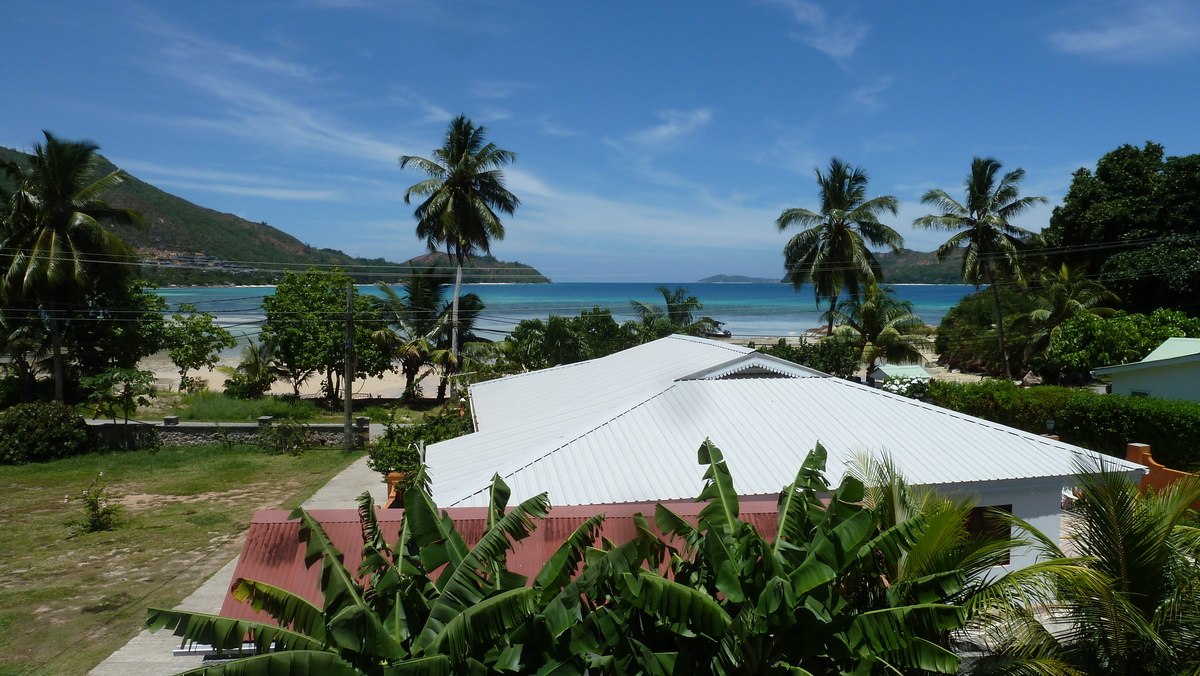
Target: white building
x,y
1171,371
625,429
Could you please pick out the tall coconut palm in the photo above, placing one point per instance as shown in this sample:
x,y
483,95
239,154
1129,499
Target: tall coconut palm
x,y
54,242
1060,295
832,252
881,325
991,245
461,198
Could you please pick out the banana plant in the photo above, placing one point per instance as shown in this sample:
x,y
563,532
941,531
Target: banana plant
x,y
732,601
428,604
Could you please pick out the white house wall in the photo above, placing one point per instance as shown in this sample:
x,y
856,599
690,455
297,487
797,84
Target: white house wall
x,y
1037,501
1173,381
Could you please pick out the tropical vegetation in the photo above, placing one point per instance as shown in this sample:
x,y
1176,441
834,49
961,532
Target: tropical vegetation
x,y
55,241
833,251
676,315
882,327
991,246
464,191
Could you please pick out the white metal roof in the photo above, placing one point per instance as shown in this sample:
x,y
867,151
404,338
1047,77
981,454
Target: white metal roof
x,y
1172,352
644,448
598,386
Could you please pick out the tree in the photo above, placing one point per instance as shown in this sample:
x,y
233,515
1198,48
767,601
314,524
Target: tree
x,y
414,325
1158,275
54,242
966,336
833,251
991,245
834,357
256,372
1087,341
462,195
306,322
119,323
880,326
1060,295
679,311
1136,607
194,342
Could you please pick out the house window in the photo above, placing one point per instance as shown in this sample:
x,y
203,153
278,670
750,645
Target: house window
x,y
1139,393
983,521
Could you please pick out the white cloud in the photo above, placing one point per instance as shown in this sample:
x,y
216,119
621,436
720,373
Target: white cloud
x,y
226,182
288,194
676,123
1146,31
838,38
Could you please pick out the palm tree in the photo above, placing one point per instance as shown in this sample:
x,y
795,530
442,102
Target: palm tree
x,y
1138,612
54,242
462,195
832,252
1062,294
416,322
991,245
881,325
679,311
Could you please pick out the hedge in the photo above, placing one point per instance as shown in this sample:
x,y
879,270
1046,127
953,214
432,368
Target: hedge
x,y
1101,422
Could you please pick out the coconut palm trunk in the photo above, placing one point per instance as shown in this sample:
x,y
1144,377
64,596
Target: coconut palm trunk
x,y
999,323
56,350
832,306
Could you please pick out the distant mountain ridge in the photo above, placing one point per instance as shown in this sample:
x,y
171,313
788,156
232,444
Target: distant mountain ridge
x,y
903,267
194,245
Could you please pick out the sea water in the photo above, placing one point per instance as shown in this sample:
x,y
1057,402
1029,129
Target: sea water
x,y
747,310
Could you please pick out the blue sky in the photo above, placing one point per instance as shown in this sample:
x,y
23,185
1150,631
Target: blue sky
x,y
656,141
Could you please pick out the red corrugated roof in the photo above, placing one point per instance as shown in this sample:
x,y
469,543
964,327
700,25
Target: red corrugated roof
x,y
274,554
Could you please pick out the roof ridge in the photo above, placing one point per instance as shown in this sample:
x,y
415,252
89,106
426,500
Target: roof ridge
x,y
566,441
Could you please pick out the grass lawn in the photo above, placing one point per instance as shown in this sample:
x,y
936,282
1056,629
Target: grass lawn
x,y
67,602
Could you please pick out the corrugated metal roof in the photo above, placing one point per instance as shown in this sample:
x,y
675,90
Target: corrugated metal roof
x,y
274,554
1172,351
755,364
899,371
598,386
647,450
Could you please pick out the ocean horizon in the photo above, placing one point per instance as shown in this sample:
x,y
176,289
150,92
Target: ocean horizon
x,y
748,309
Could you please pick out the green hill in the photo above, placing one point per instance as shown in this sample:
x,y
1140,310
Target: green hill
x,y
187,244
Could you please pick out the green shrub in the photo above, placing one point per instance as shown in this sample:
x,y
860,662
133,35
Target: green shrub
x,y
217,406
836,357
10,391
41,431
396,450
99,512
241,386
286,437
1101,422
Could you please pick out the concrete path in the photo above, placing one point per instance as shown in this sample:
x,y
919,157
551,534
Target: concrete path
x,y
151,654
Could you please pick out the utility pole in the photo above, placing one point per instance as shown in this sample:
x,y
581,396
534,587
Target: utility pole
x,y
348,378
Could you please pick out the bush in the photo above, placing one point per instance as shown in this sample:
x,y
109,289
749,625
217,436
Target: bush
x,y
10,391
286,437
220,407
396,450
99,513
1101,422
241,386
835,357
41,431
913,388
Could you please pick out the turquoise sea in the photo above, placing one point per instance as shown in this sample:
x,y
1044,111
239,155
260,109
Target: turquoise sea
x,y
748,310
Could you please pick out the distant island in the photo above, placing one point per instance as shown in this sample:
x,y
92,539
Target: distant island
x,y
737,279
185,244
903,267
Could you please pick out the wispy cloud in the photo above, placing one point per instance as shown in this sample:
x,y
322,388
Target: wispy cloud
x,y
838,37
1144,31
676,123
870,97
226,182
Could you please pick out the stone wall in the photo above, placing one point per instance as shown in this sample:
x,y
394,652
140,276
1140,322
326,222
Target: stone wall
x,y
204,434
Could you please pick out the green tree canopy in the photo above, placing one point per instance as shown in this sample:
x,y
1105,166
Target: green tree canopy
x,y
194,342
305,320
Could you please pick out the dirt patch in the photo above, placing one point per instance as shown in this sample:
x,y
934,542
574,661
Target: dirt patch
x,y
141,501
